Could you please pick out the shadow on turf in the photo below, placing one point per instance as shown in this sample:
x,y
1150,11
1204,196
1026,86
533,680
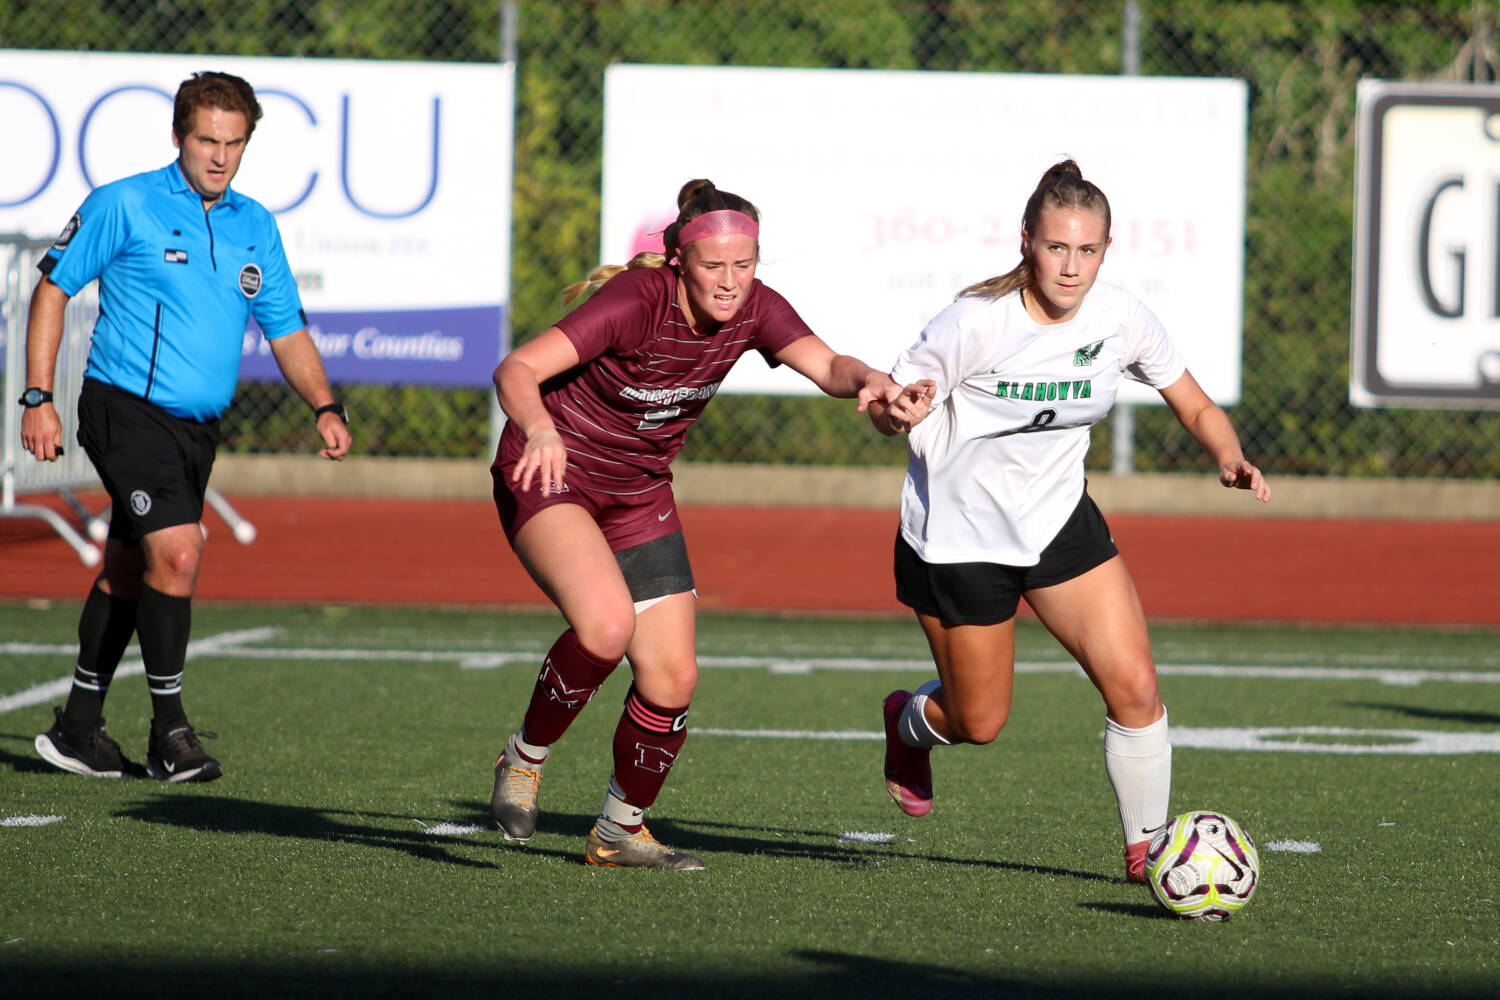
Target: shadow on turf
x,y
1145,911
806,972
823,845
26,762
708,837
682,835
1433,714
212,814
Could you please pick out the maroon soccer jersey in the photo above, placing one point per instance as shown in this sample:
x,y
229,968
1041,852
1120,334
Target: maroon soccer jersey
x,y
646,374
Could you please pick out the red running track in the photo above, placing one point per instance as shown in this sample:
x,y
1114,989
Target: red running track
x,y
375,551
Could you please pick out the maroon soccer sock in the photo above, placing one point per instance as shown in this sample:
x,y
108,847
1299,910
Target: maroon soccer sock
x,y
570,675
647,742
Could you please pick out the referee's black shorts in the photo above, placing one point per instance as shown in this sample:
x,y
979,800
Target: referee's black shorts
x,y
984,593
154,465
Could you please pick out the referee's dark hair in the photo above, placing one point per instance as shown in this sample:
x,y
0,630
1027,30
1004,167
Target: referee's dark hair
x,y
214,90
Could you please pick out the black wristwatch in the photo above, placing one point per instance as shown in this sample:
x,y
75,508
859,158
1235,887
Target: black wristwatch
x,y
34,397
338,408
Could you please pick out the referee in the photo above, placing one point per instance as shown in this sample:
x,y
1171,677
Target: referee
x,y
182,262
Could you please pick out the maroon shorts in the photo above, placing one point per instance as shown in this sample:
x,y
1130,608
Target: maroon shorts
x,y
629,513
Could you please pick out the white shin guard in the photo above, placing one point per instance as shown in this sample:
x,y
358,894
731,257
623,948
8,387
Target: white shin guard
x,y
915,730
1139,765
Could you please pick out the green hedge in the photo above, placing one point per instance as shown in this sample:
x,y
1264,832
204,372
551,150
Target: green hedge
x,y
1301,63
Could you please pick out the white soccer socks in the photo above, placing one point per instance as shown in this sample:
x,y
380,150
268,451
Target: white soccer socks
x,y
526,754
1139,765
618,819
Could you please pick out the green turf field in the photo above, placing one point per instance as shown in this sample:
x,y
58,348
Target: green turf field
x,y
348,849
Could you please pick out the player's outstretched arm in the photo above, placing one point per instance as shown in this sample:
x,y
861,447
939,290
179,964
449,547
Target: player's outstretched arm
x,y
302,367
906,411
839,375
1210,427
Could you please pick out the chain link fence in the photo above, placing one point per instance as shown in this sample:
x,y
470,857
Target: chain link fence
x,y
1300,60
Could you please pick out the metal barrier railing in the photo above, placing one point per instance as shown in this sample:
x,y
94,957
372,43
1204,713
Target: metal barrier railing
x,y
21,474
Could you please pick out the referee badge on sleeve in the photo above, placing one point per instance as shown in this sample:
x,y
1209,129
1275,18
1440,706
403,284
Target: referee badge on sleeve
x,y
250,280
66,236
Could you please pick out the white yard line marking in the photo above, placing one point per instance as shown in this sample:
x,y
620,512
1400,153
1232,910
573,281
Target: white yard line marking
x,y
861,837
446,829
51,690
242,644
31,820
1294,739
234,644
1295,846
840,735
1335,740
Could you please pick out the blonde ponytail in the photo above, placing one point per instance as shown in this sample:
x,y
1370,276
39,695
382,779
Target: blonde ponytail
x,y
599,275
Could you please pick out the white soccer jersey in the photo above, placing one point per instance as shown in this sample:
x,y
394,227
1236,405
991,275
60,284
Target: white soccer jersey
x,y
997,467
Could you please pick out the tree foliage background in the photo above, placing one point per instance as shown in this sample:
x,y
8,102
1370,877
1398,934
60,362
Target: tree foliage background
x,y
1300,60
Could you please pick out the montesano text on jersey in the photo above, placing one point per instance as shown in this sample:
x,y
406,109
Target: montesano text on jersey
x,y
626,414
177,285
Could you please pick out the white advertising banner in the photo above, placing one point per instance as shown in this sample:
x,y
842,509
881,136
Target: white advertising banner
x,y
1426,329
883,193
390,182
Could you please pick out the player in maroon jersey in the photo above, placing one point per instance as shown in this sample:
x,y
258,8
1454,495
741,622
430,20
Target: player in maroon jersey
x,y
598,405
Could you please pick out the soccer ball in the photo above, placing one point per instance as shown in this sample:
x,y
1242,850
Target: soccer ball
x,y
1202,865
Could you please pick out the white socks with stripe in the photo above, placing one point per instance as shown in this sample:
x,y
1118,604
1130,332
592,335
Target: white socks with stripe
x,y
1139,765
618,819
527,754
913,726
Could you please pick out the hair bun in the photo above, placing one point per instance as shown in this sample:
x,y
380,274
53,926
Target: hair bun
x,y
1064,168
693,189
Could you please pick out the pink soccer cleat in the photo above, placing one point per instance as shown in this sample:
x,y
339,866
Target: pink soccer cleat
x,y
908,769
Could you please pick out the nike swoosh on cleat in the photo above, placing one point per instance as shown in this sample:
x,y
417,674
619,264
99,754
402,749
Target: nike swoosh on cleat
x,y
170,766
607,852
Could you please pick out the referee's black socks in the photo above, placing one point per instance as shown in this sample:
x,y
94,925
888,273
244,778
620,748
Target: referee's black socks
x,y
104,630
163,623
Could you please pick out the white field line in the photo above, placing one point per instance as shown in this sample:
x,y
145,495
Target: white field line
x,y
51,690
1292,739
31,820
241,645
233,644
1294,846
836,735
1364,659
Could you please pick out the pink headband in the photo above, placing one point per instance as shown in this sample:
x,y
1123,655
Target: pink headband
x,y
724,222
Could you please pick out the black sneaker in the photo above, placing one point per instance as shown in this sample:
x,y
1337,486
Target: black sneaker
x,y
177,756
92,753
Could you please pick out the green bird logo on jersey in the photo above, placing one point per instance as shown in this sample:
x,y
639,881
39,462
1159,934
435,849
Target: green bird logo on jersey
x,y
1087,355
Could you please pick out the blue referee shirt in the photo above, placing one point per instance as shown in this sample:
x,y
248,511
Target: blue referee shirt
x,y
177,284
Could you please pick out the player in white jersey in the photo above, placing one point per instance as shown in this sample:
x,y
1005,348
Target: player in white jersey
x,y
994,506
